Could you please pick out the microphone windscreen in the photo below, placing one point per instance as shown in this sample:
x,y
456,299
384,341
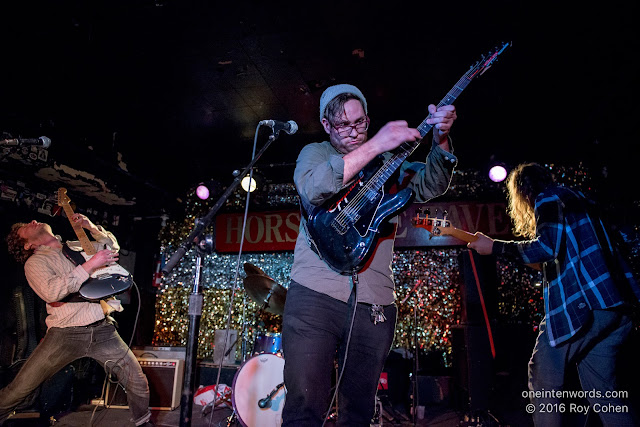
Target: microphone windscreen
x,y
294,127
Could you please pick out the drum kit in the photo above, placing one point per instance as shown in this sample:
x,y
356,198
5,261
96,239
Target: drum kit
x,y
258,392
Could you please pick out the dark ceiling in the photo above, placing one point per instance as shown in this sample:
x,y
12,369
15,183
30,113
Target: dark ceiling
x,y
153,97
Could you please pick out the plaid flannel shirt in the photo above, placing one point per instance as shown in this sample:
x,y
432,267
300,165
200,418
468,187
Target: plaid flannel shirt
x,y
576,277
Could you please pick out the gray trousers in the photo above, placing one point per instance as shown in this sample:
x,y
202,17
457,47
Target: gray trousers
x,y
61,346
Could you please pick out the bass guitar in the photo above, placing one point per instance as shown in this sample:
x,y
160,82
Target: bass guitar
x,y
106,281
345,230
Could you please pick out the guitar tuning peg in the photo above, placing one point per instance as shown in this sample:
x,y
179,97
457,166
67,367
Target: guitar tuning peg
x,y
444,215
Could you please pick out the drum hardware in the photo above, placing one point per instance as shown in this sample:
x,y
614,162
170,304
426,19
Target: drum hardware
x,y
266,402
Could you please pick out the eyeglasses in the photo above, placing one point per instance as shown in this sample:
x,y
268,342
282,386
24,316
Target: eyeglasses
x,y
360,126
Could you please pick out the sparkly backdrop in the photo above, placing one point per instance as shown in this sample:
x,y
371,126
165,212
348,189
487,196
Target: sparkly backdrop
x,y
428,281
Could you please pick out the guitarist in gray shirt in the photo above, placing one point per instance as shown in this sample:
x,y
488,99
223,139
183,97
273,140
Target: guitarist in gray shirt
x,y
319,322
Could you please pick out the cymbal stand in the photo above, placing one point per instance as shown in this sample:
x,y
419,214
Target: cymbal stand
x,y
244,328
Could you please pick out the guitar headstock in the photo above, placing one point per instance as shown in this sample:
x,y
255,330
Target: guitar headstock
x,y
433,225
487,60
63,199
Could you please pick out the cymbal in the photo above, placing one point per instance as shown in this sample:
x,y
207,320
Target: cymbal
x,y
252,269
259,286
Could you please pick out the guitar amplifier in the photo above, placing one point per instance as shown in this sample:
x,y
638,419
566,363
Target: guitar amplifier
x,y
165,377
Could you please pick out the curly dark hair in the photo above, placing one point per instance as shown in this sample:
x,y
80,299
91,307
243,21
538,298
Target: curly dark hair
x,y
15,243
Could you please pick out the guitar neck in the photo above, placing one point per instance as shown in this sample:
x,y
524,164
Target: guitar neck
x,y
406,148
465,236
87,247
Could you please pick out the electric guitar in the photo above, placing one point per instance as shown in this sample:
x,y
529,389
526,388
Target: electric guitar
x,y
345,230
104,282
441,227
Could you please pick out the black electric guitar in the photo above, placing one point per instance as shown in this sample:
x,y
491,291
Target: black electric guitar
x,y
105,281
345,230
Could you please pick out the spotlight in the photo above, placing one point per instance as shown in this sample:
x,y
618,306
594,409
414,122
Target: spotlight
x,y
248,184
202,192
497,173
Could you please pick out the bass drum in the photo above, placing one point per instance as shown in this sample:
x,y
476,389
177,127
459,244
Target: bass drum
x,y
260,376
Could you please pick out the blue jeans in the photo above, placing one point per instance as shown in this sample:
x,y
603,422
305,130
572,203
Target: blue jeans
x,y
594,352
61,346
315,329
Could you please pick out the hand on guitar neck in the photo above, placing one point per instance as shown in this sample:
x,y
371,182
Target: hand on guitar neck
x,y
107,278
484,246
478,241
102,258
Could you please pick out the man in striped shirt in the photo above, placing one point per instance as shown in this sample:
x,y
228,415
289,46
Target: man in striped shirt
x,y
589,292
75,329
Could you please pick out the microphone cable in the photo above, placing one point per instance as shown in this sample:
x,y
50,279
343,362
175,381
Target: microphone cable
x,y
233,293
109,369
354,281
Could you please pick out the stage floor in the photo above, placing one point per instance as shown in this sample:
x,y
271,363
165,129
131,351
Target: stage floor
x,y
88,415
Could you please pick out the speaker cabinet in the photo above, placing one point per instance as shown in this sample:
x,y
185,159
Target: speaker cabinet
x,y
472,293
160,352
165,376
472,363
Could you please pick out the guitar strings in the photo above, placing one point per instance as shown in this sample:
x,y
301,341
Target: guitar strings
x,y
376,182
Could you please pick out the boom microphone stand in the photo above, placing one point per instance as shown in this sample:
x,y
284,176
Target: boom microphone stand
x,y
196,298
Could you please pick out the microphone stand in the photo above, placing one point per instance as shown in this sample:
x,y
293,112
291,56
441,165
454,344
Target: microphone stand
x,y
195,299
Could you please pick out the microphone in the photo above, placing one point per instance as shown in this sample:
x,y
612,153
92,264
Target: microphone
x,y
276,126
43,141
265,403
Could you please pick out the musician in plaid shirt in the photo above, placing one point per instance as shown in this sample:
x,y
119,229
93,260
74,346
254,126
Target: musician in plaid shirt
x,y
589,292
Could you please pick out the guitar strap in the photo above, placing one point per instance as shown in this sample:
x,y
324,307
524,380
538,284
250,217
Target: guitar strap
x,y
303,224
76,258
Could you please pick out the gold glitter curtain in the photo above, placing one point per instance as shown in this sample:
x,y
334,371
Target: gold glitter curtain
x,y
426,280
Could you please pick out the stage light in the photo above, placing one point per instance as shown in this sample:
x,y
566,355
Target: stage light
x,y
497,173
202,192
248,184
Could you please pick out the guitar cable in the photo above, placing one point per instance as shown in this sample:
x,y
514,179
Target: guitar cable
x,y
354,281
109,369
